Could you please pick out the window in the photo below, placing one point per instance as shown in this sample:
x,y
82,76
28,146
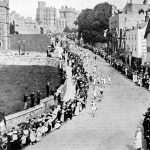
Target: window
x,y
135,36
129,37
0,44
135,47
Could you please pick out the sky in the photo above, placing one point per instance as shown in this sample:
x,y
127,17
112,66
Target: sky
x,y
27,8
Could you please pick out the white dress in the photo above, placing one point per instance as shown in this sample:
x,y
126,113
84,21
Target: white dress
x,y
77,110
32,136
138,140
93,106
94,92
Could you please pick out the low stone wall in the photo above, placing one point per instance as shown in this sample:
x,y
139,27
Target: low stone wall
x,y
23,116
28,60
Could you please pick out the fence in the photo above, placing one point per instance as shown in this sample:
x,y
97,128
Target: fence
x,y
28,60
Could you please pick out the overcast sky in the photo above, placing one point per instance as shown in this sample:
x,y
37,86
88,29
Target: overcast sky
x,y
27,8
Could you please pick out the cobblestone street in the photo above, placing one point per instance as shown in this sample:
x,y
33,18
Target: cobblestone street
x,y
115,121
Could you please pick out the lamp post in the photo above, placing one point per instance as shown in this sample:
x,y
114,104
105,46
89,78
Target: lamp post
x,y
24,42
19,46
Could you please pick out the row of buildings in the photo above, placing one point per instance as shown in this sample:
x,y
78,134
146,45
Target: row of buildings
x,y
46,20
130,28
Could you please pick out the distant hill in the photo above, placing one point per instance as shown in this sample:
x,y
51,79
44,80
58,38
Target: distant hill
x,y
33,42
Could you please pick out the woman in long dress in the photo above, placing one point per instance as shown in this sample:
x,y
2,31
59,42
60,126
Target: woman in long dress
x,y
93,108
138,140
77,110
39,134
94,92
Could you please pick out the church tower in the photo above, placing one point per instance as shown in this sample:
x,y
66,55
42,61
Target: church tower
x,y
4,25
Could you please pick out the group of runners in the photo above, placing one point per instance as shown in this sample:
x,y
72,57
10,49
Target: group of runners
x,y
97,81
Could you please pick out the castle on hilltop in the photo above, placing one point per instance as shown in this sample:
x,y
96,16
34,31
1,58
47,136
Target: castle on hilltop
x,y
46,20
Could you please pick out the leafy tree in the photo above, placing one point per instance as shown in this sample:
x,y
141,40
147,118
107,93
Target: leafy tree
x,y
67,29
84,25
92,23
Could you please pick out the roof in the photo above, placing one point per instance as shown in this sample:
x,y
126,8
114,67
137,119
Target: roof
x,y
33,42
142,25
147,29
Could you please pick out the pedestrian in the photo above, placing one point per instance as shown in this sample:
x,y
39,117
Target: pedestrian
x,y
25,101
138,139
38,97
109,79
93,108
101,92
95,68
95,57
104,82
47,89
91,60
59,98
94,93
32,99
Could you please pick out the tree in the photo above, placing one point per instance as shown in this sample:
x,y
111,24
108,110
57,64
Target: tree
x,y
92,23
84,25
101,15
67,29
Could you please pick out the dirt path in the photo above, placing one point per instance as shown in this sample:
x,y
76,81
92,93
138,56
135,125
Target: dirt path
x,y
115,121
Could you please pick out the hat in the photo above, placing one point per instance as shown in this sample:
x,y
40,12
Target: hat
x,y
10,133
14,132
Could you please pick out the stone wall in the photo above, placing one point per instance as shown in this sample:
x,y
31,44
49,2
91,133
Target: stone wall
x,y
28,60
23,116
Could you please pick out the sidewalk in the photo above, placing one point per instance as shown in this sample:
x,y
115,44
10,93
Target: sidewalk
x,y
70,91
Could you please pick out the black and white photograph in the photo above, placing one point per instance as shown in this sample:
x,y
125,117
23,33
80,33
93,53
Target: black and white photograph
x,y
74,74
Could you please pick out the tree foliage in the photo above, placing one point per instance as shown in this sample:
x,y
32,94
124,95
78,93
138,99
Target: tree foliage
x,y
93,22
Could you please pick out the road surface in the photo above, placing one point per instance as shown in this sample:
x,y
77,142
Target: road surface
x,y
115,121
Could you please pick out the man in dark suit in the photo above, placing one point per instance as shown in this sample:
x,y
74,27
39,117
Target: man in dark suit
x,y
32,99
25,99
38,97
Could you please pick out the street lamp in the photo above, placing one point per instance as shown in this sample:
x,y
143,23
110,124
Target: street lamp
x,y
19,46
24,42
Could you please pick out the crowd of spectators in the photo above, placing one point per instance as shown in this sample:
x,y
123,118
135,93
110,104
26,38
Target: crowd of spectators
x,y
32,131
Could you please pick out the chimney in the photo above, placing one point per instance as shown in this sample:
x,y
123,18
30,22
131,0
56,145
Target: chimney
x,y
130,1
146,17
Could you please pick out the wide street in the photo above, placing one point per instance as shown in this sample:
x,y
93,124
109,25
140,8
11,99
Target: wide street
x,y
116,119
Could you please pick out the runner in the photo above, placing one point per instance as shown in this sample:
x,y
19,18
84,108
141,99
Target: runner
x,y
93,108
95,68
94,92
101,92
109,79
91,60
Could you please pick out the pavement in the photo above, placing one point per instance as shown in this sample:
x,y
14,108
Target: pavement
x,y
115,121
70,90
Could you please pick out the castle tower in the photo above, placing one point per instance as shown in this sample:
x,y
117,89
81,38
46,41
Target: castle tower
x,y
4,25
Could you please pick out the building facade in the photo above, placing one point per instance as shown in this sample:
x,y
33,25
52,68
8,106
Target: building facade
x,y
136,44
46,16
4,25
126,19
70,15
23,25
